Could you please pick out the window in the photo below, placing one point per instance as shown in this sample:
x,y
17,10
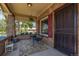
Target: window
x,y
44,26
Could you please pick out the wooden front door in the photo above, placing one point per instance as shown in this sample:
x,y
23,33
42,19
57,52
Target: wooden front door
x,y
65,29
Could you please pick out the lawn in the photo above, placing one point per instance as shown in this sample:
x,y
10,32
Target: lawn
x,y
2,34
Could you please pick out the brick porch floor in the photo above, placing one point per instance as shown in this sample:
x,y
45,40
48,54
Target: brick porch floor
x,y
25,48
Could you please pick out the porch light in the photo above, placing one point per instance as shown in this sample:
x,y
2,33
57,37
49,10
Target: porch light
x,y
29,4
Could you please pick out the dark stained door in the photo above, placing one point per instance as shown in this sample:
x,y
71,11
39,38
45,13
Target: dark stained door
x,y
65,29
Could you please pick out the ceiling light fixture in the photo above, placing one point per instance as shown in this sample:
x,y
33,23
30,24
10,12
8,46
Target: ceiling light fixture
x,y
29,4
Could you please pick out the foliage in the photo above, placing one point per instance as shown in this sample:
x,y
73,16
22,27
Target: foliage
x,y
2,25
31,19
28,24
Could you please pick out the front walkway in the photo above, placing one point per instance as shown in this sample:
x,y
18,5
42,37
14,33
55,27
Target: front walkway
x,y
26,48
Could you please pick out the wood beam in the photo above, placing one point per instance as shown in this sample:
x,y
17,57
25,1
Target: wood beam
x,y
9,9
4,8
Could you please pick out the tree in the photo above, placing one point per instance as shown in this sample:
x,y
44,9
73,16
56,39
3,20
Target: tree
x,y
30,22
2,25
26,24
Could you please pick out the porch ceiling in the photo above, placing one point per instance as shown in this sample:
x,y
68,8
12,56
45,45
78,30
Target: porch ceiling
x,y
21,9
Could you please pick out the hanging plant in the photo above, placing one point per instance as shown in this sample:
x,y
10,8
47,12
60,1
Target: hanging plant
x,y
31,19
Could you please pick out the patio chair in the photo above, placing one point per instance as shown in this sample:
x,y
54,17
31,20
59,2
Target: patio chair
x,y
36,39
8,46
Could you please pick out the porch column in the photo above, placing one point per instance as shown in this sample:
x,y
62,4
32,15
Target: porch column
x,y
11,25
50,25
38,25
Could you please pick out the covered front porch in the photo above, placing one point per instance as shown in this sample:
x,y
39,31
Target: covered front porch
x,y
25,21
